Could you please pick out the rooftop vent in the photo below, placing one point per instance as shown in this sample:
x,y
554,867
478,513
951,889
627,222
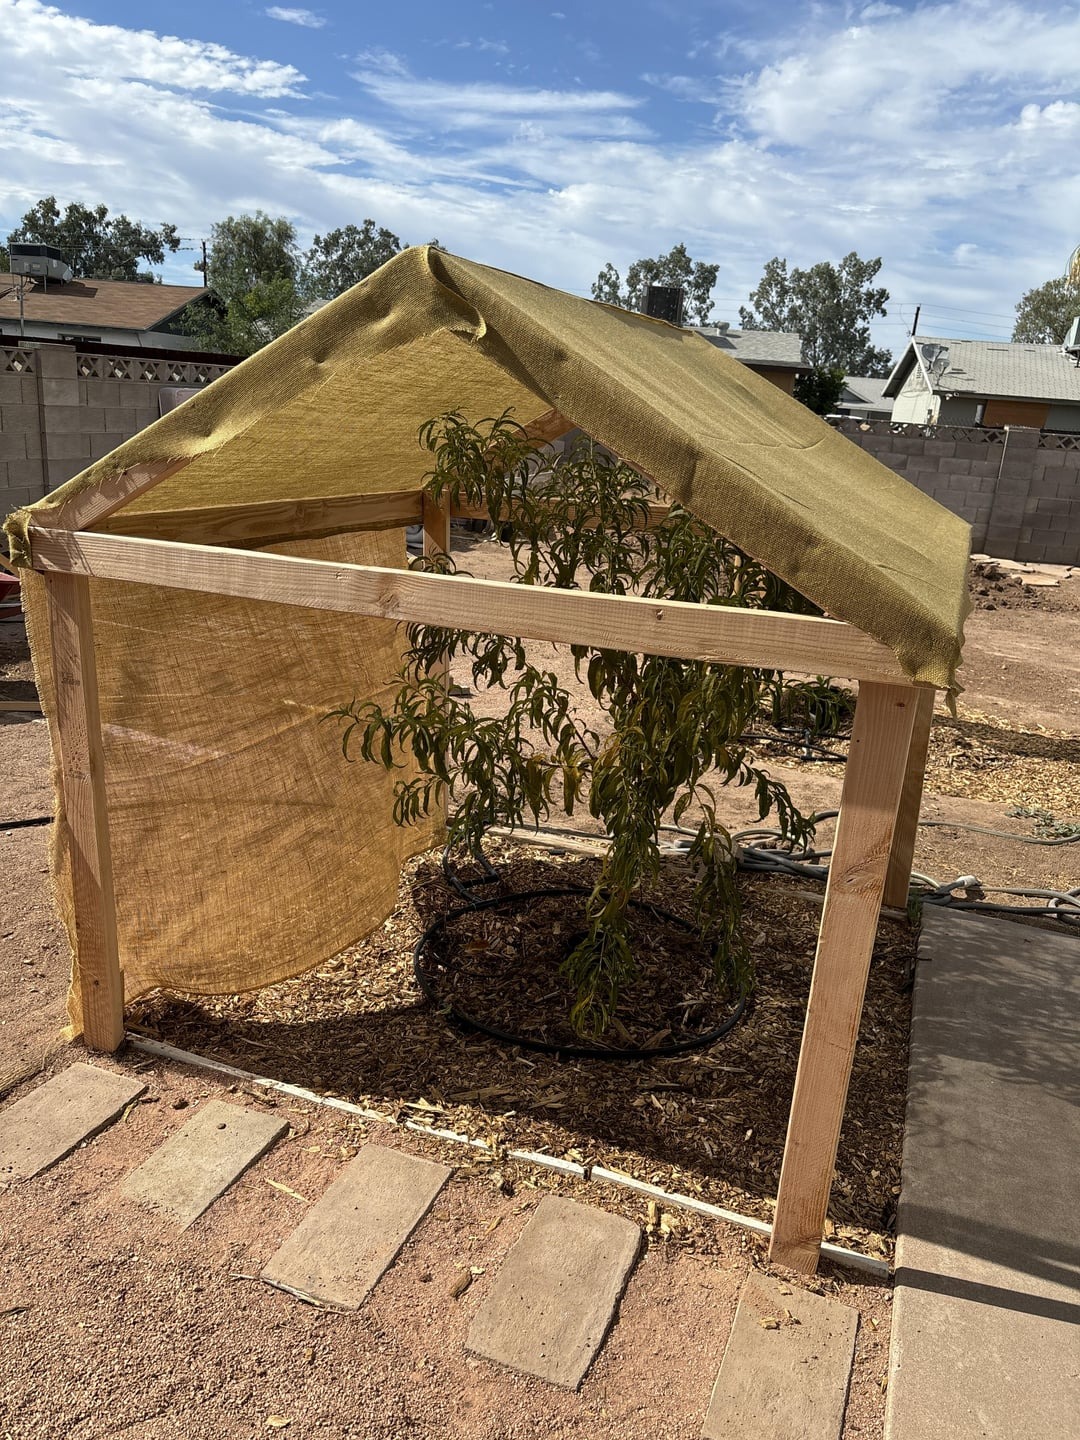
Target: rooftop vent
x,y
43,262
665,302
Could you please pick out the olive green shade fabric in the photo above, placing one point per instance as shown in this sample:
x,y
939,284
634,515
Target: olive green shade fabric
x,y
334,406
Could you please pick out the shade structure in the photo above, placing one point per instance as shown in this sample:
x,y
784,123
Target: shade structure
x,y
248,852
209,837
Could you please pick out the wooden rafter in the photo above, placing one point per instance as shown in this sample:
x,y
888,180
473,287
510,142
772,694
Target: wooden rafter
x,y
91,506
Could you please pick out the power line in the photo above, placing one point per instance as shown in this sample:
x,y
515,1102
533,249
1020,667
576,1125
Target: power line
x,y
959,310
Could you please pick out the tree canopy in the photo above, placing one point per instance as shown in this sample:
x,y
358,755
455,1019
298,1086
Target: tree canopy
x,y
94,243
264,283
1044,314
675,268
342,258
253,268
830,306
820,390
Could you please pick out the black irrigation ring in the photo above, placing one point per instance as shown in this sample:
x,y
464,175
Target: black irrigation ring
x,y
573,1052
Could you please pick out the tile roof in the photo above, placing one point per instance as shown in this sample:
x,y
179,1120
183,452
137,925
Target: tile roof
x,y
996,368
757,347
112,304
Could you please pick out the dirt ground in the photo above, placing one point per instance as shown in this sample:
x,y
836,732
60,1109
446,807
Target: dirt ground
x,y
116,1327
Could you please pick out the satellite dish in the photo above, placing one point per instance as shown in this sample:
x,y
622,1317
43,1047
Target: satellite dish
x,y
936,360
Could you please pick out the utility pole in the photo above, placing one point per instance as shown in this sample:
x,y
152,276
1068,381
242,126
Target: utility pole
x,y
915,322
193,243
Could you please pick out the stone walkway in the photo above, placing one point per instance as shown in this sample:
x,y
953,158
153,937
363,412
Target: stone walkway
x,y
551,1304
986,1318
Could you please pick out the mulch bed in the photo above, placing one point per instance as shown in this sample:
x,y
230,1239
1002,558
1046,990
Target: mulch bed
x,y
709,1124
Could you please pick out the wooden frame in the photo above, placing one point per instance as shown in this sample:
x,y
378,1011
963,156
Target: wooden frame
x,y
898,877
658,627
883,779
85,816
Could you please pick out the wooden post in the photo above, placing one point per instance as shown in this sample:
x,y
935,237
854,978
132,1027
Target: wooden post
x,y
436,522
898,876
82,781
873,781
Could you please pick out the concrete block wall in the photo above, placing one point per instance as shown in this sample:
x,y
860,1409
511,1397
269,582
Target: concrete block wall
x,y
1018,488
61,409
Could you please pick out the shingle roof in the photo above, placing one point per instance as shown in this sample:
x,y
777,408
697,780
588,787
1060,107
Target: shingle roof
x,y
864,390
994,368
756,347
113,304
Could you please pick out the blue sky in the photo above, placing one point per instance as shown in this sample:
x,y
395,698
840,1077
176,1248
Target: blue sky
x,y
944,137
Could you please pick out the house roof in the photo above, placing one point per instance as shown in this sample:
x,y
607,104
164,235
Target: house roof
x,y
344,395
777,348
987,368
108,304
865,392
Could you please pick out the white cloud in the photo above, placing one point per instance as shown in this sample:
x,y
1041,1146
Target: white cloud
x,y
476,106
943,139
930,72
307,18
77,47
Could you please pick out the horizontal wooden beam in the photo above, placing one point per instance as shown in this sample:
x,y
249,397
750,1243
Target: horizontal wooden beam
x,y
269,521
658,511
713,633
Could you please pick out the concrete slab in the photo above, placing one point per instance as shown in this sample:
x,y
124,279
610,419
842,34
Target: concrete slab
x,y
47,1124
786,1367
555,1297
987,1302
349,1239
185,1175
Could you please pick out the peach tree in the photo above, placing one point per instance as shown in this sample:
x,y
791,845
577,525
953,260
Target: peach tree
x,y
671,731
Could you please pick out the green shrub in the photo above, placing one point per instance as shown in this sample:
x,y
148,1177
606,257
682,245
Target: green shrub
x,y
579,520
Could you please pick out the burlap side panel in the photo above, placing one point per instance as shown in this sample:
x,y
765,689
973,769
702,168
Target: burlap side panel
x,y
245,849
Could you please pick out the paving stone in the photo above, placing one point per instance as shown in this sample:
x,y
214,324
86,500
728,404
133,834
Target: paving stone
x,y
555,1297
47,1124
786,1368
353,1234
185,1175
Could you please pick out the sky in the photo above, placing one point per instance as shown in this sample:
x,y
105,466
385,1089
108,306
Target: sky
x,y
943,137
